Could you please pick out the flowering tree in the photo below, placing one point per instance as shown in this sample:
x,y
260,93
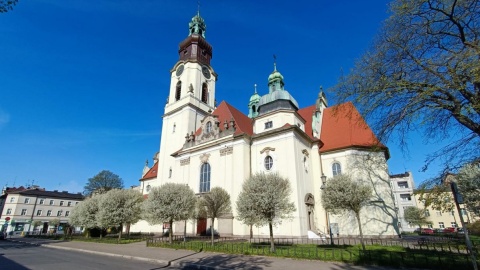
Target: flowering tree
x,y
120,206
168,203
265,199
216,203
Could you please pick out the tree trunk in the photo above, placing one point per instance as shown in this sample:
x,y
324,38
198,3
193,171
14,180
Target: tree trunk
x,y
170,231
251,231
211,229
357,215
185,231
272,244
120,233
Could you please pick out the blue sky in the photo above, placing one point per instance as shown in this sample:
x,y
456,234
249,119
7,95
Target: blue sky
x,y
83,83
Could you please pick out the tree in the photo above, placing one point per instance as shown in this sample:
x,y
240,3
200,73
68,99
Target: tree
x,y
36,223
6,5
415,216
118,207
168,203
85,213
423,74
54,222
216,204
269,196
343,194
468,181
102,183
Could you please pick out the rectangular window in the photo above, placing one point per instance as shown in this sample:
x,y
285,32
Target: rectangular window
x,y
67,213
52,202
430,225
453,224
439,213
27,200
9,211
403,184
405,197
12,199
441,225
39,212
463,211
24,212
62,203
42,201
427,213
76,203
69,204
49,213
452,213
268,124
59,213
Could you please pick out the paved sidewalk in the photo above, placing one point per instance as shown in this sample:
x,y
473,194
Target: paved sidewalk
x,y
200,260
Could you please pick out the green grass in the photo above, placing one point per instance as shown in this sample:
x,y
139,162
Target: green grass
x,y
396,256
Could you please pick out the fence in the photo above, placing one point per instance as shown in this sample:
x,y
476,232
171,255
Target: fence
x,y
441,255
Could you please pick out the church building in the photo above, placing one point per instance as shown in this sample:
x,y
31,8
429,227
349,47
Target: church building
x,y
203,146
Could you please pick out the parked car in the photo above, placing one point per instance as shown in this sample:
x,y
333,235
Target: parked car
x,y
461,231
426,231
450,230
439,230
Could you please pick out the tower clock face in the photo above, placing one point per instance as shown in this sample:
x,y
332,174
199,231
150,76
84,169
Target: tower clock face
x,y
206,72
179,70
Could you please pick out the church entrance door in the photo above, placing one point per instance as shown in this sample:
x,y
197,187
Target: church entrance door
x,y
201,226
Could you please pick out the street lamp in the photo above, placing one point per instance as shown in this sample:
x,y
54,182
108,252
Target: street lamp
x,y
324,184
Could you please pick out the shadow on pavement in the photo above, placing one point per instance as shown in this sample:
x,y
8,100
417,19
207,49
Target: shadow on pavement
x,y
230,262
10,265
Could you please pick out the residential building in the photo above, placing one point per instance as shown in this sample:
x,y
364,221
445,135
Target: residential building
x,y
402,187
203,145
21,207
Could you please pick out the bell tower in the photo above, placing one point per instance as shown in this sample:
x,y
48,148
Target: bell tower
x,y
191,95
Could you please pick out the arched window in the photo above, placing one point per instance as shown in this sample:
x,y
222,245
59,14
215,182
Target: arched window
x,y
204,92
268,161
178,91
208,127
336,168
205,177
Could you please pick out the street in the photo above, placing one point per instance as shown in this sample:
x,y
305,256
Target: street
x,y
21,256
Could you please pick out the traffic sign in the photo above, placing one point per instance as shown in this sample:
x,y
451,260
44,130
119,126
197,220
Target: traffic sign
x,y
7,218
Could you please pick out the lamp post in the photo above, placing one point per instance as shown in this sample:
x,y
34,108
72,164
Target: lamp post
x,y
324,184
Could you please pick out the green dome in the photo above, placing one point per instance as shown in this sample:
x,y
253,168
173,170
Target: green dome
x,y
255,97
275,75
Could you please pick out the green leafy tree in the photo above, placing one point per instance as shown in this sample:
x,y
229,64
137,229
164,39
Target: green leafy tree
x,y
85,214
102,183
119,207
415,216
423,73
343,194
468,181
267,195
54,223
215,203
6,5
36,223
168,203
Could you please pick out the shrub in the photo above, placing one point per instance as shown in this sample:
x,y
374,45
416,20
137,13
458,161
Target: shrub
x,y
474,228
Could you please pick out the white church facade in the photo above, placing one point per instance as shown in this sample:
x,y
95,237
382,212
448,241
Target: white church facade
x,y
204,146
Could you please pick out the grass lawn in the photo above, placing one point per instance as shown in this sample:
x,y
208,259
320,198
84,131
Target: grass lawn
x,y
396,256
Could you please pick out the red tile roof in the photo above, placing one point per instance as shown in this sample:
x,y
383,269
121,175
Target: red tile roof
x,y
152,173
306,114
225,112
343,127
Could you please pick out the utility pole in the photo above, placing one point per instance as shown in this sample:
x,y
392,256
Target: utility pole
x,y
459,199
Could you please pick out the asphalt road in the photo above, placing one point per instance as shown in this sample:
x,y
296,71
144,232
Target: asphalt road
x,y
20,256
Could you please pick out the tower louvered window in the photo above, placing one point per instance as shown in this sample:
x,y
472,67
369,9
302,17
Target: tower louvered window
x,y
178,91
204,92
